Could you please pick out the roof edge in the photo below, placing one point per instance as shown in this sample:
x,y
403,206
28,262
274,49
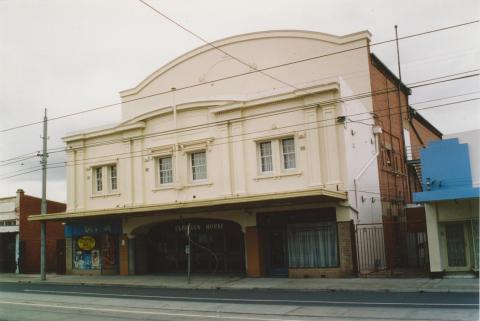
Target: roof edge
x,y
422,120
364,34
379,64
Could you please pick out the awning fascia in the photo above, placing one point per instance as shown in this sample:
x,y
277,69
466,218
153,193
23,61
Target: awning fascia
x,y
234,200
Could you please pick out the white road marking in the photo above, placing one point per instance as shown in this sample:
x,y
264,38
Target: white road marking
x,y
66,307
251,300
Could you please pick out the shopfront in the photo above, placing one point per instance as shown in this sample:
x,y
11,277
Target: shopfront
x,y
216,246
299,240
92,247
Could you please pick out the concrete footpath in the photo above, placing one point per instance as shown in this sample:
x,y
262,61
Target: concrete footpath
x,y
470,285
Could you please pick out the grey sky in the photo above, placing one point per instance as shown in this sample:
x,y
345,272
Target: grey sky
x,y
68,56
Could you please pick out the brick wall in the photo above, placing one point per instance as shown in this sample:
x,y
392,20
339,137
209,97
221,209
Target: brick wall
x,y
420,135
345,253
390,111
30,234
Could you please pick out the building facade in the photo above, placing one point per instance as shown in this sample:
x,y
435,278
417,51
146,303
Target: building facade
x,y
451,195
9,241
248,168
20,238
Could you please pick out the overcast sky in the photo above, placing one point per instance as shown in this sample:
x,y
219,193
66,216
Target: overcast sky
x,y
69,56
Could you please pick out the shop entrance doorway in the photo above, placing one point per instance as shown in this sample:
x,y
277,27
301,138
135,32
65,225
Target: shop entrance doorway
x,y
217,246
276,255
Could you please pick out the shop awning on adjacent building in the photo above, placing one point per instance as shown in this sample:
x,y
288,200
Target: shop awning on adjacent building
x,y
238,202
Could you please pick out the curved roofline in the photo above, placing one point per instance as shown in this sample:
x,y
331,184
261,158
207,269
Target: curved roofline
x,y
245,37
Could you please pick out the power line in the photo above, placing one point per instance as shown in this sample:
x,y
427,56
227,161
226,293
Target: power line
x,y
82,161
447,80
62,149
211,124
292,109
215,47
236,75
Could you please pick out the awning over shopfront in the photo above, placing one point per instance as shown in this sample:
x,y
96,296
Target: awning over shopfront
x,y
238,202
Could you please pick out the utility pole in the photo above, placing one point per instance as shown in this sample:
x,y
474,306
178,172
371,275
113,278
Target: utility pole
x,y
189,253
405,151
43,226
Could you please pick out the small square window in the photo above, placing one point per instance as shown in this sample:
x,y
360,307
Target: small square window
x,y
199,165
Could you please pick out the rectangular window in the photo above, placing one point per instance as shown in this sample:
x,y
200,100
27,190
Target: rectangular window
x,y
165,170
199,165
288,151
266,160
113,177
98,179
312,245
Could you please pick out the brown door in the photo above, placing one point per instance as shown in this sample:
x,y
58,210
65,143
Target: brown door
x,y
61,263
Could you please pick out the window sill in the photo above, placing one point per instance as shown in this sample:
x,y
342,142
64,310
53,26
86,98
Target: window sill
x,y
200,183
278,175
105,195
164,187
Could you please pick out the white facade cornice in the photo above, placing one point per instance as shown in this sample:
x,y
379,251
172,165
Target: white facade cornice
x,y
104,132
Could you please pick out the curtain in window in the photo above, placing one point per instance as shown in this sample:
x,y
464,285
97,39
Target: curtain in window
x,y
199,166
288,149
266,156
166,175
312,245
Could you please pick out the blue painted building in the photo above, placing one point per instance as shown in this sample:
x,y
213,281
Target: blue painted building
x,y
450,181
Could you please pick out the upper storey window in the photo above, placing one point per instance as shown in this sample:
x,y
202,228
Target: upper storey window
x,y
165,170
112,170
98,179
266,160
198,162
288,153
277,155
105,179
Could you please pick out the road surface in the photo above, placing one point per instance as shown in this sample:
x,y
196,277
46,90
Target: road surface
x,y
24,301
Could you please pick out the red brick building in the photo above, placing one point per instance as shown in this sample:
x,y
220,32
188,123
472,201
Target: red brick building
x,y
29,252
404,133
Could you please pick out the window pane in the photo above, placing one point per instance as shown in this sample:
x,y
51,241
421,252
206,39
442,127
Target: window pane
x,y
113,177
288,150
199,166
312,245
98,179
166,174
266,156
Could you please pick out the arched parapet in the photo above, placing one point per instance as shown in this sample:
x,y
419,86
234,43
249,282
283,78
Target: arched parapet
x,y
338,40
206,73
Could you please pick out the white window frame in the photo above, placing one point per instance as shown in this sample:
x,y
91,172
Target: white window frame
x,y
282,154
97,181
277,157
261,157
191,166
101,175
160,170
111,178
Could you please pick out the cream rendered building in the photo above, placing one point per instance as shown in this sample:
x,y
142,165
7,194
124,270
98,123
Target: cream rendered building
x,y
269,168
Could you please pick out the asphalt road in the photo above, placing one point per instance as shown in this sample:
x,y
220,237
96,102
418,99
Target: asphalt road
x,y
23,301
